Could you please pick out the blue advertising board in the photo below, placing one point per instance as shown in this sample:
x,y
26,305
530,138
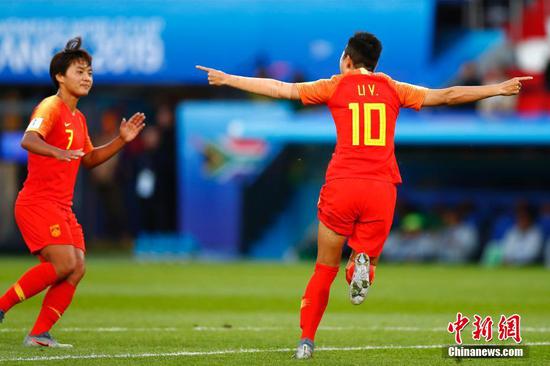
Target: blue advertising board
x,y
224,146
10,147
160,42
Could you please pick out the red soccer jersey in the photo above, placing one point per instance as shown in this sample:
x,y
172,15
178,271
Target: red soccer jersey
x,y
50,179
364,107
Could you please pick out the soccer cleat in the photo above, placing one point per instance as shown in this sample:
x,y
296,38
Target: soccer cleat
x,y
304,350
44,340
1,316
360,282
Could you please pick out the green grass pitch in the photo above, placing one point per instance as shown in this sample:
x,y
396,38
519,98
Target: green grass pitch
x,y
187,313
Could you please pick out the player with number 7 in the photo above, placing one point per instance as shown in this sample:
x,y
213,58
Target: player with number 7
x,y
57,141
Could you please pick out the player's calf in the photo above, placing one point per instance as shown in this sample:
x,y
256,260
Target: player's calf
x,y
1,316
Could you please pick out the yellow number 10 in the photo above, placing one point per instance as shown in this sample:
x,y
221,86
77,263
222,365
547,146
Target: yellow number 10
x,y
368,108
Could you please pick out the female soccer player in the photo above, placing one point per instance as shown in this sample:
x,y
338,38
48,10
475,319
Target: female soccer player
x,y
357,201
57,141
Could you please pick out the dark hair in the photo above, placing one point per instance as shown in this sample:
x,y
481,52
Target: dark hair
x,y
527,209
364,49
64,58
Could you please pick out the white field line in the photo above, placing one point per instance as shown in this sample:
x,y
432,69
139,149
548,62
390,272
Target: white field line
x,y
255,329
226,352
249,329
98,330
345,328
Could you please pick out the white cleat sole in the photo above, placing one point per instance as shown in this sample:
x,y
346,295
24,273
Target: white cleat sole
x,y
360,282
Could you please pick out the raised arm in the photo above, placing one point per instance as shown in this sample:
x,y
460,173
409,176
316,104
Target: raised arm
x,y
268,87
466,94
128,131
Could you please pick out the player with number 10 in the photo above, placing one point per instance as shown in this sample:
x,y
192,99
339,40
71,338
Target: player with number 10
x,y
357,201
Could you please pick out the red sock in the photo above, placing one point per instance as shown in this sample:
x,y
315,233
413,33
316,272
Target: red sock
x,y
351,267
32,282
57,300
315,299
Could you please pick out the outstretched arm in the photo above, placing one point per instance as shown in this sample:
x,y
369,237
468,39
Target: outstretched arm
x,y
268,87
466,94
128,131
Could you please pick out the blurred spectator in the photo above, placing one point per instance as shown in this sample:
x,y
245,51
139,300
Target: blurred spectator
x,y
261,65
468,76
544,220
411,243
166,165
153,186
498,105
547,76
106,183
146,180
261,70
10,105
458,240
522,244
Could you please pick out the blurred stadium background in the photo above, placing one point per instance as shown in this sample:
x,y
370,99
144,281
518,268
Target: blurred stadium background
x,y
222,174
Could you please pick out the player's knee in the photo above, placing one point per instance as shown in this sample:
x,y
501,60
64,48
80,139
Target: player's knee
x,y
65,267
330,257
329,260
75,277
78,273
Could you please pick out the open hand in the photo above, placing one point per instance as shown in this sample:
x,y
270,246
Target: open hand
x,y
131,128
215,77
68,155
512,86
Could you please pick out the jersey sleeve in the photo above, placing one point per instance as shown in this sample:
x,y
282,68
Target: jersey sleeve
x,y
43,119
410,96
317,92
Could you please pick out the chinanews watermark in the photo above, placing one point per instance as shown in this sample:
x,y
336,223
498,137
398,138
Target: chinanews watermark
x,y
508,328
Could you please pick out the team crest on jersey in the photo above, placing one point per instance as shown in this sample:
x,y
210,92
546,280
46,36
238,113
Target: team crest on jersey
x,y
36,122
55,230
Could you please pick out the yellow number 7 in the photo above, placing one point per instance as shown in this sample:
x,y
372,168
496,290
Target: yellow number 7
x,y
368,108
71,134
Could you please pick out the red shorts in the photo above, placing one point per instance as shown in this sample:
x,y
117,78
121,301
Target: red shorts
x,y
360,209
48,223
